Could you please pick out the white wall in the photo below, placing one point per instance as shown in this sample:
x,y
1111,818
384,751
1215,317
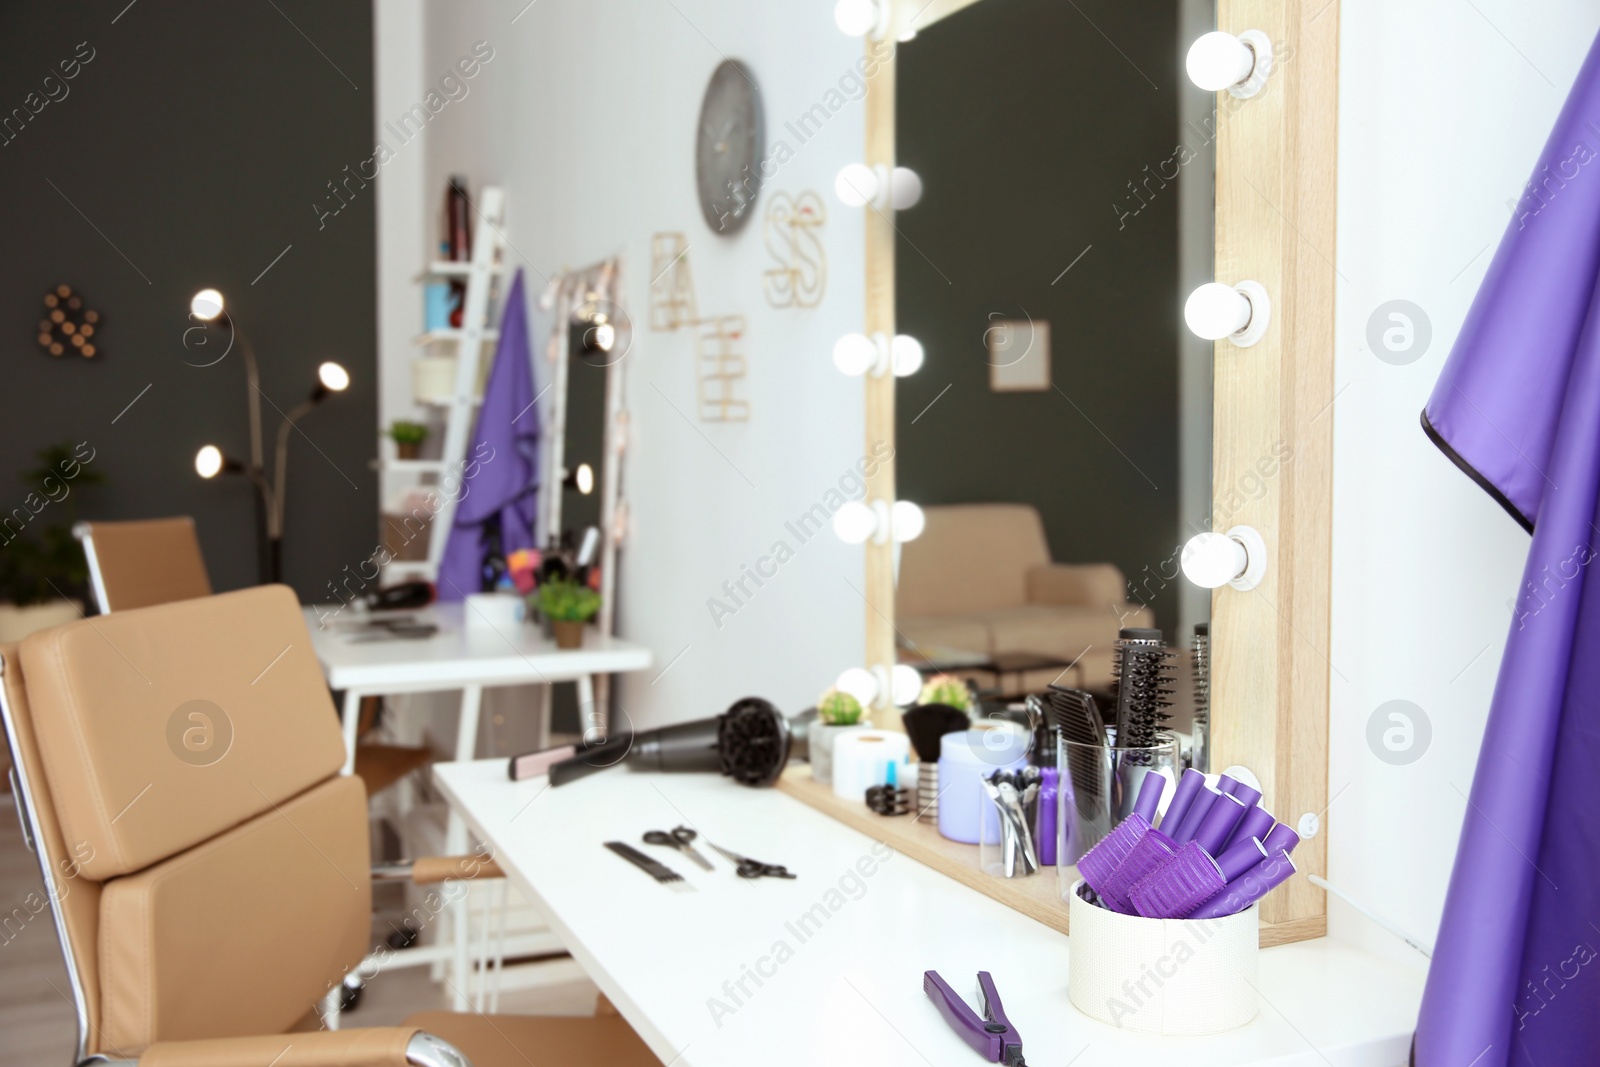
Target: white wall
x,y
587,115
1440,121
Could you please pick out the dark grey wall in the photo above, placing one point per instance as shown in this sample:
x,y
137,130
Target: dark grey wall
x,y
189,151
1027,124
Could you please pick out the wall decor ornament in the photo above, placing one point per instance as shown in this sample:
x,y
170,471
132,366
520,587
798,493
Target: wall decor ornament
x,y
792,230
68,326
719,365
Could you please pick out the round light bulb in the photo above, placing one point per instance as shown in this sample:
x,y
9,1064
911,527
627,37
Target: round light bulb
x,y
905,684
905,352
585,479
208,461
1215,311
905,188
206,305
1219,60
605,335
856,185
1211,560
333,377
855,18
859,683
908,520
854,354
854,522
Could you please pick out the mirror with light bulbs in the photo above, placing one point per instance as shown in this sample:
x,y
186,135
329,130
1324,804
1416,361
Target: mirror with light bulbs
x,y
1054,425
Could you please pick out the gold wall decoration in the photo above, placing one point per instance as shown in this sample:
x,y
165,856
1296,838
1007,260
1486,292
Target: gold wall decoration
x,y
719,364
792,230
68,327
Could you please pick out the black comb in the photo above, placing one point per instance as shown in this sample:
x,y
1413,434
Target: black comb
x,y
1076,718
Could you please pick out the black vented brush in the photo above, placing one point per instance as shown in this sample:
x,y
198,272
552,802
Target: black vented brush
x,y
1143,673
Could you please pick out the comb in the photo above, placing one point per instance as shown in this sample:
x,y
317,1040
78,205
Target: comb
x,y
653,867
1075,716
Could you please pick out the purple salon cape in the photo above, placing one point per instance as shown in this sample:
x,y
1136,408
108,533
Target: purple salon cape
x,y
1516,975
501,477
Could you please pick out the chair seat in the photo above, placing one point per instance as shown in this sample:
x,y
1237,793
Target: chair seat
x,y
545,1040
380,766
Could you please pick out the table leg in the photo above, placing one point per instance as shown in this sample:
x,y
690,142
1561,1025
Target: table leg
x,y
350,721
542,709
456,842
589,721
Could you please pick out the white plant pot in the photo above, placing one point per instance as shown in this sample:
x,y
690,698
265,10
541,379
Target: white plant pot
x,y
1163,976
822,736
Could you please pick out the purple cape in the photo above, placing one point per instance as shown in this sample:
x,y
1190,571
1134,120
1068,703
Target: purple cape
x,y
501,479
1514,979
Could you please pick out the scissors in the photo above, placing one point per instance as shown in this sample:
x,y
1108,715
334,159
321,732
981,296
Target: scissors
x,y
681,838
749,868
993,1036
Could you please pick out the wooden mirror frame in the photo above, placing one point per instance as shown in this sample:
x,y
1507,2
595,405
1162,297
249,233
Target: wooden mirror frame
x,y
1275,195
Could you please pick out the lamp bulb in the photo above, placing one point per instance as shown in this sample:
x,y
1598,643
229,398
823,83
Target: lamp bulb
x,y
1219,60
859,683
1215,311
854,522
905,684
208,461
905,188
333,377
1212,560
206,305
854,354
584,479
856,185
909,520
905,353
856,18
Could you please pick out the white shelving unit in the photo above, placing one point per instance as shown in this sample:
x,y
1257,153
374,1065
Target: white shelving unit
x,y
468,342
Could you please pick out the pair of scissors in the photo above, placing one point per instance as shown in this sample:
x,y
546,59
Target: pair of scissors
x,y
993,1035
749,868
682,839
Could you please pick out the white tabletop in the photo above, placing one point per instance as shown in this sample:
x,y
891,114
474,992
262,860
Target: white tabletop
x,y
851,991
459,654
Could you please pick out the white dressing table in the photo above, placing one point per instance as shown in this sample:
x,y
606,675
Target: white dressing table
x,y
850,991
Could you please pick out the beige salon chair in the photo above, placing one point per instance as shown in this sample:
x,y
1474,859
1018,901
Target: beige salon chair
x,y
207,866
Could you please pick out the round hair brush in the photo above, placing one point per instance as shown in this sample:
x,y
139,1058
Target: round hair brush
x,y
1143,674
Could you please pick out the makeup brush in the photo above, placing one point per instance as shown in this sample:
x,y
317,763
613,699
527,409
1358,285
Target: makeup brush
x,y
926,725
1142,671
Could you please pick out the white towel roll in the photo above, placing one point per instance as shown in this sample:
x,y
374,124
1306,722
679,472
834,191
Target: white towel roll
x,y
861,759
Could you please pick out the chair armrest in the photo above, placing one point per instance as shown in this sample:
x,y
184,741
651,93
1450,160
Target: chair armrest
x,y
1087,585
382,1046
430,870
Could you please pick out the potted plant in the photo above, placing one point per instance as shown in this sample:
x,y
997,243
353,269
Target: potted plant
x,y
568,605
837,712
43,574
407,437
948,690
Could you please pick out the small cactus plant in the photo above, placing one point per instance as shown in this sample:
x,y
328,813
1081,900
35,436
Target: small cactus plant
x,y
947,689
838,708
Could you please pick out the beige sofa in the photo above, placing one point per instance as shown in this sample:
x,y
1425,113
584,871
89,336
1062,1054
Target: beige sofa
x,y
980,579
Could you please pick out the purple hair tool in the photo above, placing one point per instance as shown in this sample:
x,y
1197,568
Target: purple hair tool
x,y
1178,886
1225,813
1189,786
1184,831
1150,790
1239,791
1256,822
1254,884
1045,820
1099,866
1238,859
1149,854
995,1039
1280,839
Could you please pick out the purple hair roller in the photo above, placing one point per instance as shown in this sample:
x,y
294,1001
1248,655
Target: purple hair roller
x,y
1256,823
1238,859
1152,852
1190,825
1280,839
1239,791
1150,791
1225,813
1099,865
1178,886
1045,830
1189,786
1256,883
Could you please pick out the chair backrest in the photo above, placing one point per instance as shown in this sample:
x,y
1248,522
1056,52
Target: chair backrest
x,y
207,867
970,557
143,563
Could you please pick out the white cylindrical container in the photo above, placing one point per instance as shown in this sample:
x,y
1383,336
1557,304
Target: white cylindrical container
x,y
500,613
433,379
823,735
1163,976
861,759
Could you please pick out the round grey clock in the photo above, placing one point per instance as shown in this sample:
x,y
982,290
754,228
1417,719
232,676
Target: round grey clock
x,y
728,144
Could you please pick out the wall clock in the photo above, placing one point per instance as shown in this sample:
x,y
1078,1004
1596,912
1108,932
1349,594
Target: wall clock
x,y
729,141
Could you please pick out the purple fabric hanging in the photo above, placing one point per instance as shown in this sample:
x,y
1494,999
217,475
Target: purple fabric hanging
x,y
500,482
1516,977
